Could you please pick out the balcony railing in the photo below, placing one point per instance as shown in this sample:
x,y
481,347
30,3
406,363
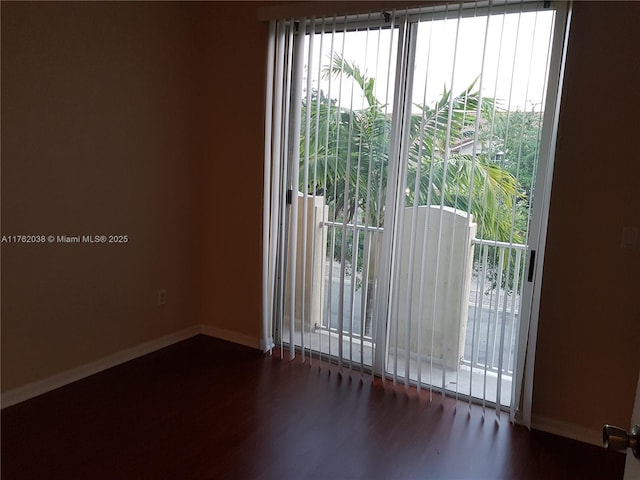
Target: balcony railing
x,y
494,299
485,355
494,305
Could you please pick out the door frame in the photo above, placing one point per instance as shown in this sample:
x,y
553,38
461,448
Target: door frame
x,y
632,464
522,394
278,225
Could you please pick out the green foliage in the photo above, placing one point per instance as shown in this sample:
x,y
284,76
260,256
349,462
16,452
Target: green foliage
x,y
491,273
519,133
348,155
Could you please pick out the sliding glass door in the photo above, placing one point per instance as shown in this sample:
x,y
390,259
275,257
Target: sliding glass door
x,y
478,85
409,147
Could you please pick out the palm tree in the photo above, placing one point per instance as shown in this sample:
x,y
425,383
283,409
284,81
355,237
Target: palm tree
x,y
348,156
350,149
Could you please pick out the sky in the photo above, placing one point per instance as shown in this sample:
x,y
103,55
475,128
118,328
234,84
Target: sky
x,y
509,54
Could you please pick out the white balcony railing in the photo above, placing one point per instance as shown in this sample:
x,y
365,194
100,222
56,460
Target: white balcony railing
x,y
491,325
494,305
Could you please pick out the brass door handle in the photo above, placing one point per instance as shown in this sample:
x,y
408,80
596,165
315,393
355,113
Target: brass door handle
x,y
615,438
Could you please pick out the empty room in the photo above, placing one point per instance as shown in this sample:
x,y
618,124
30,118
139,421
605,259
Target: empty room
x,y
324,240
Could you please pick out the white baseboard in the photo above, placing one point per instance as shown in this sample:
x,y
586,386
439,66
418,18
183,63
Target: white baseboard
x,y
231,336
30,390
568,430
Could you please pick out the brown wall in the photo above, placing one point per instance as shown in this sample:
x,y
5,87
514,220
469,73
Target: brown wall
x,y
233,68
589,333
98,137
93,148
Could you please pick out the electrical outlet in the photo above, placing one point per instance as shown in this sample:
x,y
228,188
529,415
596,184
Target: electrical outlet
x,y
162,297
630,237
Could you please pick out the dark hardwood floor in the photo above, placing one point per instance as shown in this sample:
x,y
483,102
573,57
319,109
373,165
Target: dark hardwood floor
x,y
205,408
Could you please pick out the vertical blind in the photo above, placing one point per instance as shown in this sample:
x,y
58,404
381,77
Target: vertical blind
x,y
401,155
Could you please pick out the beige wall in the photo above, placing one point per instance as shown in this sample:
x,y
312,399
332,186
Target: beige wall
x,y
233,68
98,137
162,132
589,333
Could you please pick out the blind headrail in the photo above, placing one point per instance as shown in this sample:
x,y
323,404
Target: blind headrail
x,y
312,12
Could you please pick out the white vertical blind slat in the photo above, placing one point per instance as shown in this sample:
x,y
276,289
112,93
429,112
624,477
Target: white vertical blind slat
x,y
294,162
266,341
356,234
380,316
343,238
331,246
447,153
366,220
316,220
347,206
399,171
305,197
280,115
416,202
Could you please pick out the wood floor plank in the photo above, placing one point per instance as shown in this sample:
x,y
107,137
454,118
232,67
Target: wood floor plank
x,y
208,409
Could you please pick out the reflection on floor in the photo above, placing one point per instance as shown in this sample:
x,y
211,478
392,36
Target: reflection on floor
x,y
465,380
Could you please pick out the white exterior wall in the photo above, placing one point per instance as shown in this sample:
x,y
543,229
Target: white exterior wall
x,y
445,294
313,262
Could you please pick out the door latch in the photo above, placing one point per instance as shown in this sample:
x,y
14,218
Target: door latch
x,y
615,438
